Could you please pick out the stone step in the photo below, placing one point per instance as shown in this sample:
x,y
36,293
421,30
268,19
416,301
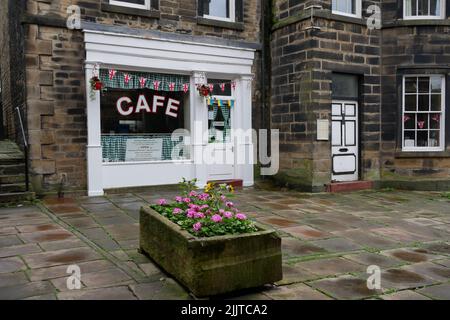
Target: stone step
x,y
15,178
12,169
236,183
335,187
17,197
13,187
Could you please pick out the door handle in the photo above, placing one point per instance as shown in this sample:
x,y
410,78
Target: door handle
x,y
343,150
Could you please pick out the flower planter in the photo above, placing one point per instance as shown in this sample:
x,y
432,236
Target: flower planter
x,y
211,266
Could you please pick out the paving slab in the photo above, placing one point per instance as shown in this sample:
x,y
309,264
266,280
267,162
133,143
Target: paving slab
x,y
26,290
441,291
295,292
305,232
412,255
431,270
404,295
374,259
337,245
12,279
400,279
345,287
330,266
19,250
106,278
166,290
114,293
60,257
13,264
292,247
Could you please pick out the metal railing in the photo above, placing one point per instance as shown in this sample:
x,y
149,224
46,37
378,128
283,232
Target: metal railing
x,y
26,146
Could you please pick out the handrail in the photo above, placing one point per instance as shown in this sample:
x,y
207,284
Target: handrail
x,y
25,142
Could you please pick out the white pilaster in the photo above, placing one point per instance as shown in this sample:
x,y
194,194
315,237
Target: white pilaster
x,y
94,148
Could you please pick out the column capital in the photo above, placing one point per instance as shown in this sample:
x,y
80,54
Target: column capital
x,y
199,77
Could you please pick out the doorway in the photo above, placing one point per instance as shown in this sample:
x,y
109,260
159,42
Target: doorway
x,y
345,141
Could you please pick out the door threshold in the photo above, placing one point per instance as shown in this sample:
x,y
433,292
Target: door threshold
x,y
349,186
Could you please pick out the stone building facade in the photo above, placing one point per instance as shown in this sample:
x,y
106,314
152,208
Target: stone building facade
x,y
317,46
54,57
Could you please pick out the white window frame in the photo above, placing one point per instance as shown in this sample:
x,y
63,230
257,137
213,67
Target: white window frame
x,y
417,17
146,6
357,13
232,17
442,118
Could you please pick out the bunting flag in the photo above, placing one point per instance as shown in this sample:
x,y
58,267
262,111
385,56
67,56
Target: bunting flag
x,y
233,85
222,87
112,74
220,103
186,87
211,87
126,78
142,81
172,86
156,85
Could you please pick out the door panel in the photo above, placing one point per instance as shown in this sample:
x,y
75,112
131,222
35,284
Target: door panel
x,y
345,153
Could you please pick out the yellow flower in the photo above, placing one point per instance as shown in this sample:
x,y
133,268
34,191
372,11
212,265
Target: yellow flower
x,y
231,188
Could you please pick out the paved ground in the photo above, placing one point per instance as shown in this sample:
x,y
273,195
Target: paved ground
x,y
328,243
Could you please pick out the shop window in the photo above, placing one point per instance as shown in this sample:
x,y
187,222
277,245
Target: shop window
x,y
423,113
423,9
142,116
224,10
138,4
351,8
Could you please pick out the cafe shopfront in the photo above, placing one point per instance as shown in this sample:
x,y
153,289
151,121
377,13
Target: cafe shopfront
x,y
150,121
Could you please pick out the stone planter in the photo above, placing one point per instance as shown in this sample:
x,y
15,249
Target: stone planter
x,y
211,266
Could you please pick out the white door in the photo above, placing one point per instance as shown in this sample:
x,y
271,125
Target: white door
x,y
345,141
221,144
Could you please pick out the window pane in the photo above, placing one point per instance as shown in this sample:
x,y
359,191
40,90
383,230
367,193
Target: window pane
x,y
410,137
422,121
411,103
410,121
435,121
346,6
219,123
424,85
436,102
435,138
424,102
217,8
344,86
221,87
423,8
140,2
410,85
435,7
436,84
422,138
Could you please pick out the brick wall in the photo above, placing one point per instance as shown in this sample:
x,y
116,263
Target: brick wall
x,y
55,76
303,61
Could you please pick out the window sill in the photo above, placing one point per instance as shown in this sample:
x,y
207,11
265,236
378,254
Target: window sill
x,y
417,22
130,11
220,24
422,154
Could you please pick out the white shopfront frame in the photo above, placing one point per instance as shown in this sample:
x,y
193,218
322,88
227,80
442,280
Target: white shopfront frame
x,y
200,61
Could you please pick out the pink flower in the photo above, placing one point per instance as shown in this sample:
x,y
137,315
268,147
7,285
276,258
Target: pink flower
x,y
177,211
197,227
162,202
223,198
221,211
241,216
193,194
228,215
179,199
203,196
194,207
191,213
216,218
229,204
187,200
203,207
199,215
208,212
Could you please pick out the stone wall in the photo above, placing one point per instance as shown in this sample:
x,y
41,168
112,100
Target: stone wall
x,y
411,47
303,60
56,82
